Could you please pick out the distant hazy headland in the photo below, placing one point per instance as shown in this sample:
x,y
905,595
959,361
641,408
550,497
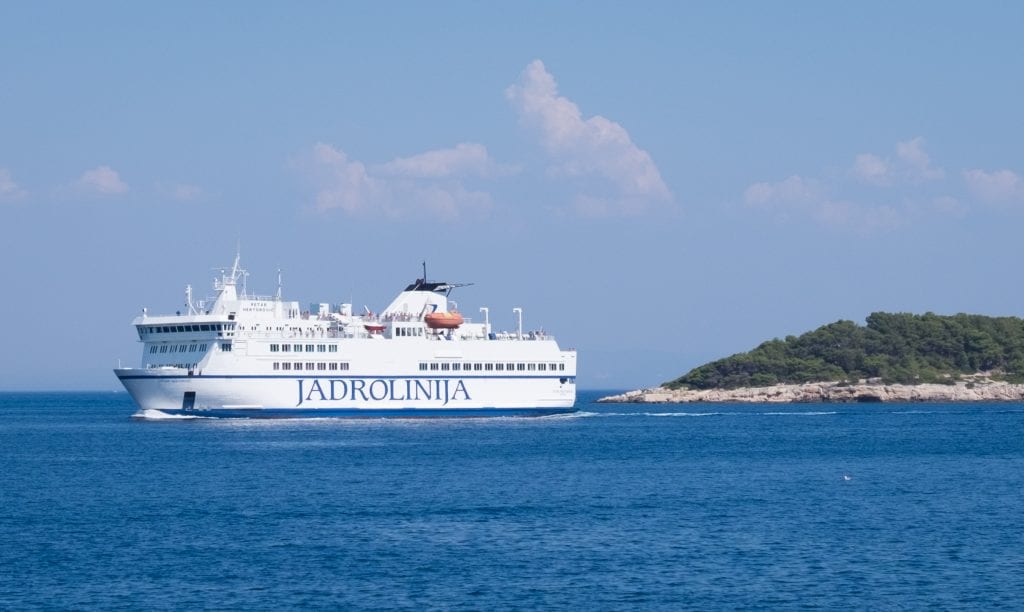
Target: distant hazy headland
x,y
895,357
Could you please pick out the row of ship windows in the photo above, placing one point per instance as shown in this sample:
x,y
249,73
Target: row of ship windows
x,y
183,366
297,348
183,348
311,366
168,329
492,367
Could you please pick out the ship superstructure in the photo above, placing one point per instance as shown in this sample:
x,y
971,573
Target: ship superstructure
x,y
262,356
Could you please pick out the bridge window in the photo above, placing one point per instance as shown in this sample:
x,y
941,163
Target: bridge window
x,y
333,366
542,366
488,367
434,367
286,366
277,365
274,348
332,348
423,367
321,348
309,348
225,346
499,367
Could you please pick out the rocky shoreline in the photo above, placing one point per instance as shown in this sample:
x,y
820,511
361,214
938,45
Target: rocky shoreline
x,y
962,391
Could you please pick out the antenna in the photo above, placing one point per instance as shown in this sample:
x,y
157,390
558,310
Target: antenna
x,y
279,283
424,270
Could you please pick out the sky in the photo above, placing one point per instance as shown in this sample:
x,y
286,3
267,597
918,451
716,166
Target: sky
x,y
656,184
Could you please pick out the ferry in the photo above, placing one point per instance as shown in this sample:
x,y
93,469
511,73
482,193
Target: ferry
x,y
250,356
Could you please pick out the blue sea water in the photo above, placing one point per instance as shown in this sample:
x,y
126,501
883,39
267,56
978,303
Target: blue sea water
x,y
883,506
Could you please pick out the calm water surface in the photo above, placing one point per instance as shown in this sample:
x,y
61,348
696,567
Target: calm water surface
x,y
620,507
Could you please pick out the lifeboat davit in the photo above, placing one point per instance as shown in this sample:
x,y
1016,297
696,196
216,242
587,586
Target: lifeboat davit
x,y
443,320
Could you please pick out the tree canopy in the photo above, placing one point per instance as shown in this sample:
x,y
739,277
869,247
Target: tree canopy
x,y
896,348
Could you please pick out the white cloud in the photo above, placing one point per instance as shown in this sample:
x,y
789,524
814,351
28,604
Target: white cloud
x,y
102,180
871,169
803,197
464,160
917,163
910,165
422,185
997,186
875,193
9,190
794,190
583,148
343,183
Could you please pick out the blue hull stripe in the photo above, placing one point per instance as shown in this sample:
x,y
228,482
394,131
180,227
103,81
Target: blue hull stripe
x,y
284,413
335,377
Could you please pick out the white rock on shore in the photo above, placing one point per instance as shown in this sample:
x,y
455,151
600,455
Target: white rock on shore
x,y
986,391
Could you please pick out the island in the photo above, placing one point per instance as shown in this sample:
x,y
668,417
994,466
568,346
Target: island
x,y
895,357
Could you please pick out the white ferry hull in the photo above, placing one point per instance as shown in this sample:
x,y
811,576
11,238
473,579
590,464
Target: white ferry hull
x,y
278,396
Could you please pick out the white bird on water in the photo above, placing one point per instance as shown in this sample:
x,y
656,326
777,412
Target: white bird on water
x,y
847,477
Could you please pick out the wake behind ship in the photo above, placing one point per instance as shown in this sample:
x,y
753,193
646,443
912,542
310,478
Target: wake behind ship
x,y
251,356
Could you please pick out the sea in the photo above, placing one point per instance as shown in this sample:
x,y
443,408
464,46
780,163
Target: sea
x,y
616,507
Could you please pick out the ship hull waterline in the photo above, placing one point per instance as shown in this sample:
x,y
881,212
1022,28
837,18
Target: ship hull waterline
x,y
235,396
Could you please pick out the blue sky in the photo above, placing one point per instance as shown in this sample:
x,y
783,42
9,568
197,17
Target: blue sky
x,y
657,185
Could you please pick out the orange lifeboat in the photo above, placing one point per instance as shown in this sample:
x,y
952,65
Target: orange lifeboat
x,y
443,320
